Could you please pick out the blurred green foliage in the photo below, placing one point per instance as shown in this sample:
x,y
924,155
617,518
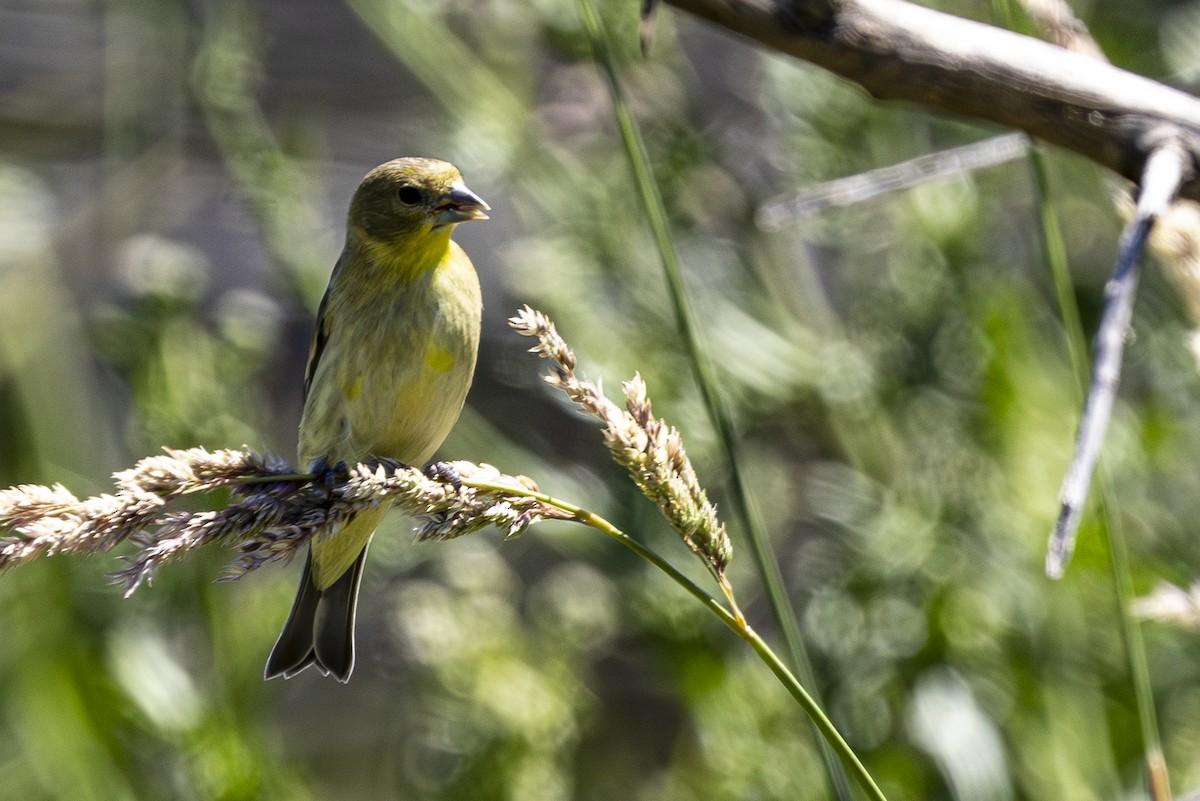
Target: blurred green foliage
x,y
172,182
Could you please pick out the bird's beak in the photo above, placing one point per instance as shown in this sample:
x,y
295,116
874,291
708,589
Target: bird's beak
x,y
459,205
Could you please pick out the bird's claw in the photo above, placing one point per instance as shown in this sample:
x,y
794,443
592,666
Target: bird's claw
x,y
327,477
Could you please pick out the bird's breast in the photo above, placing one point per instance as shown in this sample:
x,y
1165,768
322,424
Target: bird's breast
x,y
396,369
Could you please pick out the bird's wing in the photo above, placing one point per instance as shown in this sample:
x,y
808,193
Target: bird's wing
x,y
320,336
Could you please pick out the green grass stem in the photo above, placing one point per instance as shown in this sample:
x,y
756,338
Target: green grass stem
x,y
1054,253
707,378
734,621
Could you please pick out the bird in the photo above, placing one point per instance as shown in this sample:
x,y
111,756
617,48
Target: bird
x,y
392,356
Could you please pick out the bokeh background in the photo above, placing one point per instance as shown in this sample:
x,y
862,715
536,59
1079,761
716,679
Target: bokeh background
x,y
173,180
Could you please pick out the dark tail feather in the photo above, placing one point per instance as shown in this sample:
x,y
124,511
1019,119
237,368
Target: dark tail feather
x,y
293,651
333,628
320,628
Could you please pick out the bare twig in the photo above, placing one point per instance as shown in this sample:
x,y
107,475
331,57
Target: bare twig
x,y
864,186
1165,171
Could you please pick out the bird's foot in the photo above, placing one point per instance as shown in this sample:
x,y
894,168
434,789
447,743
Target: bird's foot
x,y
328,477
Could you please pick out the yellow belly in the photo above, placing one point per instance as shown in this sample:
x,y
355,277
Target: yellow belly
x,y
395,370
391,381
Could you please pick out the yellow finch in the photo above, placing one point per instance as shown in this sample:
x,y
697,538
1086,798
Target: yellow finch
x,y
391,361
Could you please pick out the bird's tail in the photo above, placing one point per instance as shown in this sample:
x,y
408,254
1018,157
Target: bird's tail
x,y
320,628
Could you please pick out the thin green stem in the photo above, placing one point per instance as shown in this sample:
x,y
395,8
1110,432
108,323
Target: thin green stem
x,y
706,376
1135,650
276,479
734,621
1055,254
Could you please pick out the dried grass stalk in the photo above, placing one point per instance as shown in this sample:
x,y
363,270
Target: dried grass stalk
x,y
647,447
273,513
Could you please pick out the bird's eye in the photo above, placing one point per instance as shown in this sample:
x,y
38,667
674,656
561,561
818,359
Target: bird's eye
x,y
409,195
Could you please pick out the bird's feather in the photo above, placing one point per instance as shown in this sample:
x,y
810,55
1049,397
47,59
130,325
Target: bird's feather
x,y
391,360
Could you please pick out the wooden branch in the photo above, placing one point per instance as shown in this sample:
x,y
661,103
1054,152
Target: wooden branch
x,y
1164,171
900,51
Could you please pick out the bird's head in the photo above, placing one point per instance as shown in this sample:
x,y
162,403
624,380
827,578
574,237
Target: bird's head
x,y
410,197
